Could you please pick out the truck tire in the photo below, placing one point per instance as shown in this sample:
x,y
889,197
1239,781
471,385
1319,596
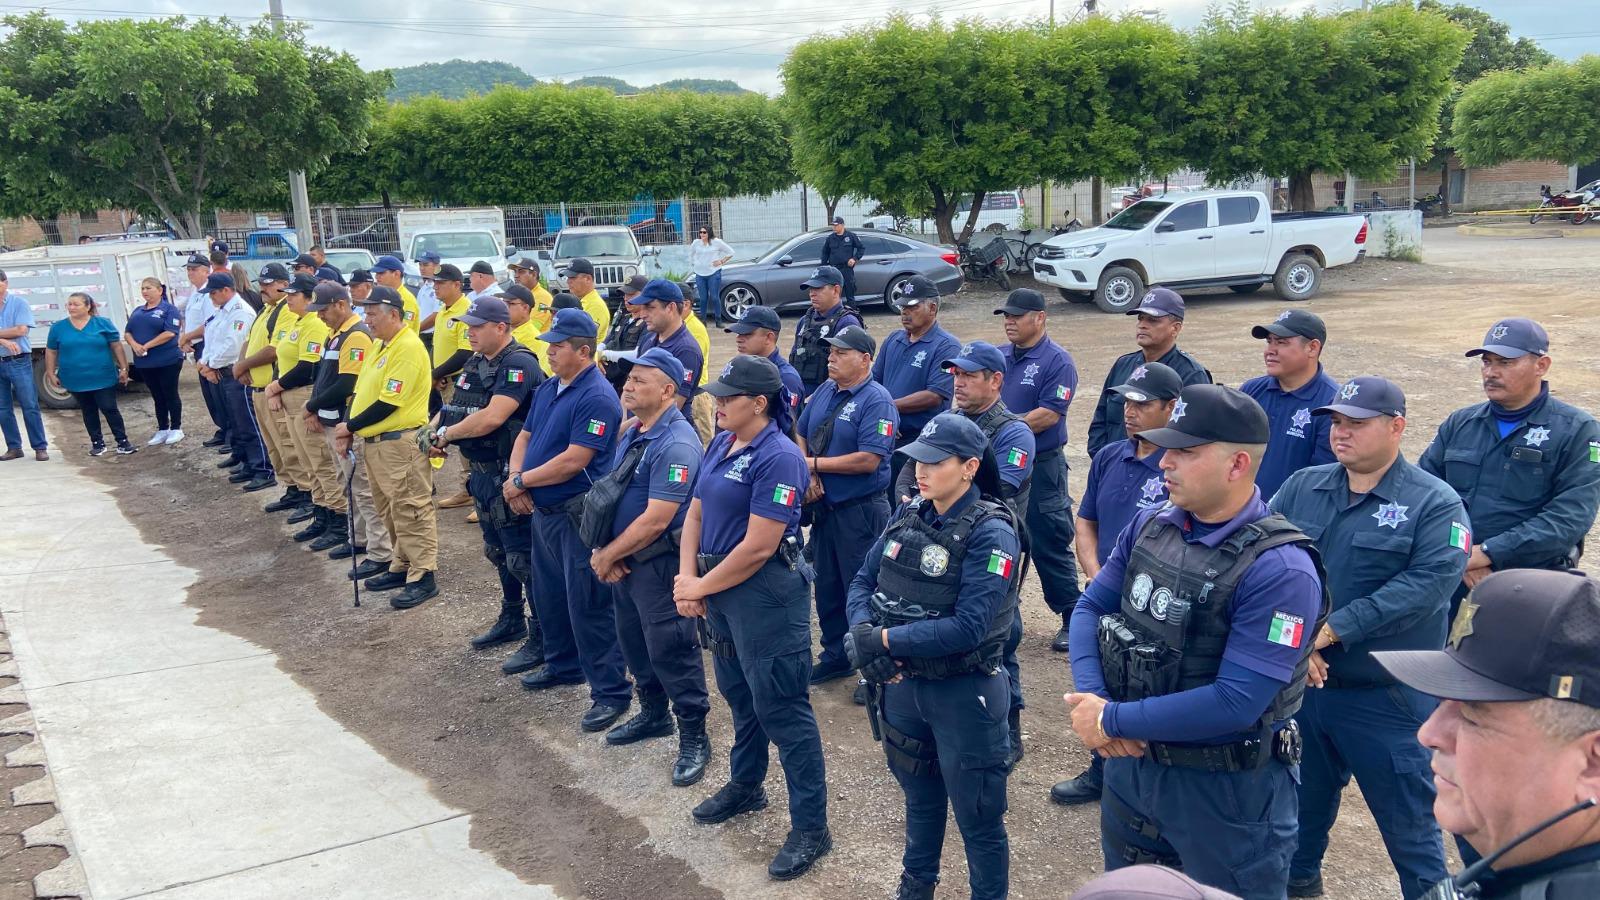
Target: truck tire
x,y
1298,277
1244,288
1120,290
50,397
1076,296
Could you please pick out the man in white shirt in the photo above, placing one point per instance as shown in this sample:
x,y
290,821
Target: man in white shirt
x,y
226,334
196,312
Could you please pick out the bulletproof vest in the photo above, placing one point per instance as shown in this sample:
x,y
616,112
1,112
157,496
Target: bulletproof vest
x,y
1580,882
328,369
991,421
919,578
1177,607
810,356
474,386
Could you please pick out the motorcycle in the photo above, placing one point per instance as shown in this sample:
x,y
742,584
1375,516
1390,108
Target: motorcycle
x,y
1574,206
986,262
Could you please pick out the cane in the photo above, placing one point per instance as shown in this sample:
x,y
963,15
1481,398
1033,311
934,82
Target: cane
x,y
350,527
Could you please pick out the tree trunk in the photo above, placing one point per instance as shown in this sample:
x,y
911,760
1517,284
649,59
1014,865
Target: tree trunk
x,y
51,228
1444,187
1302,196
943,209
831,203
1097,209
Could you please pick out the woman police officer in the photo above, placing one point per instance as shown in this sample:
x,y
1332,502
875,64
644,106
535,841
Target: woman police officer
x,y
930,613
741,569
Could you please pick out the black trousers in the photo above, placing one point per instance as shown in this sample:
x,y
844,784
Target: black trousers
x,y
662,648
163,384
93,405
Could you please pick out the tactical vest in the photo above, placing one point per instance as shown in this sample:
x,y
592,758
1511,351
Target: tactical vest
x,y
1580,882
991,421
810,356
1177,607
328,370
919,577
474,386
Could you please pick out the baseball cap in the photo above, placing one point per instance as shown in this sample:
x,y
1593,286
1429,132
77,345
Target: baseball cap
x,y
635,284
219,246
305,259
946,435
1514,337
568,324
1022,300
744,374
853,337
388,264
580,266
1160,302
519,293
1293,323
487,309
1209,414
329,273
918,289
525,262
360,276
481,267
659,358
273,272
1151,381
197,261
3,275
382,295
756,317
447,272
302,283
824,275
216,281
1148,882
658,289
430,256
327,294
565,300
1366,396
1522,634
977,357
838,220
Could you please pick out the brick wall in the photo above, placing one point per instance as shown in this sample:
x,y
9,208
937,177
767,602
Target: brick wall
x,y
1514,185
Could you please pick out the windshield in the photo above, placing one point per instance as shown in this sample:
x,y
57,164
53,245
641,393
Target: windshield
x,y
596,245
348,261
1138,215
456,245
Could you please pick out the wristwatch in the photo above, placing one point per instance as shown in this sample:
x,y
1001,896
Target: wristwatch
x,y
516,479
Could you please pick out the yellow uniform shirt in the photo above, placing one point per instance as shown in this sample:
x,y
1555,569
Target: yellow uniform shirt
x,y
412,312
355,350
527,334
397,373
596,307
449,332
261,376
286,339
542,316
309,336
697,330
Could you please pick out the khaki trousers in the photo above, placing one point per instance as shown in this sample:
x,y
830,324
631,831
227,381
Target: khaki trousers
x,y
295,469
402,492
269,436
366,528
327,491
704,410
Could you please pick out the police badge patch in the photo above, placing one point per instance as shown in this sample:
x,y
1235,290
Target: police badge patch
x,y
1141,592
935,559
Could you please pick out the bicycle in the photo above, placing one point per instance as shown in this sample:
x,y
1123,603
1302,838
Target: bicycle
x,y
984,263
1020,253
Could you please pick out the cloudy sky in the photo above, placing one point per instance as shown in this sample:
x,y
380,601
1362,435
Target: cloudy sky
x,y
650,42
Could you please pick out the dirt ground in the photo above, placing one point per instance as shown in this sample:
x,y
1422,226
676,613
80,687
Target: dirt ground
x,y
557,806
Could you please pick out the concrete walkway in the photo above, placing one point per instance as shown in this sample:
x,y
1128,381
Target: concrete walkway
x,y
185,763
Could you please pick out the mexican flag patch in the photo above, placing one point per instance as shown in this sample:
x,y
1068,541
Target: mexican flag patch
x,y
783,495
393,385
1594,451
1460,537
313,347
1063,392
595,427
885,428
238,326
1017,457
891,549
357,354
677,473
1286,630
1000,564
514,376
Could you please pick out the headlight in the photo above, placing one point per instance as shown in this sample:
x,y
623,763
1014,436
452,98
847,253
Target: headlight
x,y
1084,252
629,272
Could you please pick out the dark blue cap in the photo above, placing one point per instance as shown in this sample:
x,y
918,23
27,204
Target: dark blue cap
x,y
580,266
196,261
388,264
1512,338
329,273
273,272
216,281
946,435
977,357
569,324
1293,323
565,300
1210,414
756,317
918,289
485,310
658,358
430,256
853,337
305,259
327,294
383,296
219,246
1020,301
1151,381
301,283
658,289
360,276
1365,397
824,275
1160,302
745,374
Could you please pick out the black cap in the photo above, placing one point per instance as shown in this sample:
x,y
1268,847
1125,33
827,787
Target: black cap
x,y
519,293
383,295
918,289
838,220
330,273
635,284
305,259
946,435
744,374
481,267
1160,302
196,261
302,283
1512,338
219,246
1293,323
447,272
1210,414
3,275
1151,381
1522,634
754,317
977,356
327,294
1366,397
525,261
580,266
485,310
823,276
216,281
565,300
360,276
853,337
273,272
1022,300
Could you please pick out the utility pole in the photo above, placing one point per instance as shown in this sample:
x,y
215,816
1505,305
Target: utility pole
x,y
299,197
1097,187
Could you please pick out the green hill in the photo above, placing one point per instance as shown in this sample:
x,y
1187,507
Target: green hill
x,y
456,78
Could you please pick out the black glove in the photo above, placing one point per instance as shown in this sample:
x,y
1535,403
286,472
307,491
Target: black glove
x,y
880,670
863,643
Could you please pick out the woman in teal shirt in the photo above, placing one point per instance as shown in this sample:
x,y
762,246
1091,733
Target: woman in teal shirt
x,y
84,355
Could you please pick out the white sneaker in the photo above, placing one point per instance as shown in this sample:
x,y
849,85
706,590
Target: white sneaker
x,y
174,436
160,438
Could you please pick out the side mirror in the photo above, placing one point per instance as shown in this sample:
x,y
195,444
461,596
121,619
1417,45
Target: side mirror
x,y
511,250
1166,227
785,260
544,254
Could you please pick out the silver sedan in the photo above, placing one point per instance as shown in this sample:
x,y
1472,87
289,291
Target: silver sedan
x,y
774,278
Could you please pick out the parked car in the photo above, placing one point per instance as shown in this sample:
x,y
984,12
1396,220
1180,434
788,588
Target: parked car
x,y
347,260
1200,239
773,279
378,236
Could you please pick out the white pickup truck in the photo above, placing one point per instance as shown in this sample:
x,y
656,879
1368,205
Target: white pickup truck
x,y
1199,239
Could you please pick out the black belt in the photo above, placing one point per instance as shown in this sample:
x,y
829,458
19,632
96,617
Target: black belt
x,y
389,436
708,561
1047,454
1282,745
14,356
486,466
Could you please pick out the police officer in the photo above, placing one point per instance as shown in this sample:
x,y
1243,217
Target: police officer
x,y
389,408
1293,386
427,302
525,330
196,312
741,569
1041,379
1190,656
259,365
1160,315
1387,533
565,446
1517,732
909,365
305,264
847,434
298,353
226,333
1526,465
930,611
483,418
580,283
829,314
659,455
663,315
390,272
842,250
627,329
361,285
525,272
1124,478
756,334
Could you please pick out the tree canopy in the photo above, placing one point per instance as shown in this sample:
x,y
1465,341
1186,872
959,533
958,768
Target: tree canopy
x,y
1543,113
455,78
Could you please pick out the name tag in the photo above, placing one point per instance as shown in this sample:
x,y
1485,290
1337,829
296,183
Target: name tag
x,y
330,354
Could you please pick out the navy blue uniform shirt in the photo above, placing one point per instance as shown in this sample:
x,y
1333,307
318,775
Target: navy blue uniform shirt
x,y
682,345
906,367
1393,560
1120,486
864,419
1107,423
586,413
665,472
767,478
839,249
790,377
1042,375
144,323
1299,439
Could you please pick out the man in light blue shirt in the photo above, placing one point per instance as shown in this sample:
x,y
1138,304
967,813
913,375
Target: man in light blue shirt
x,y
16,376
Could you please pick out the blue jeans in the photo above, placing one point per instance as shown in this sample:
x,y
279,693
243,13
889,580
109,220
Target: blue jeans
x,y
16,381
708,290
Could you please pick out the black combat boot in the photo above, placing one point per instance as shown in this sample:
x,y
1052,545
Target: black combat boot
x,y
416,592
1015,755
289,500
511,626
316,528
1062,642
337,535
303,512
912,889
694,751
530,655
733,799
652,720
801,849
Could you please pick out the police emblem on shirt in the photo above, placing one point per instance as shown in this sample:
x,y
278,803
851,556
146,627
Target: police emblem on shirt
x,y
736,471
1153,493
1536,436
848,411
1140,595
935,559
1029,373
1159,604
916,361
1302,418
1391,514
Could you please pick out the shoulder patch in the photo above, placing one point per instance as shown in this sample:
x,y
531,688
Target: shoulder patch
x,y
1286,630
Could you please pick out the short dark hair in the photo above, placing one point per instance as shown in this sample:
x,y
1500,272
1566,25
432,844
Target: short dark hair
x,y
218,258
579,343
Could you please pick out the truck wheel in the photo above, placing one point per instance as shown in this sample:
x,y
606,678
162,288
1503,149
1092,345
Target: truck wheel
x,y
1119,291
50,397
736,298
1076,296
1299,277
1244,288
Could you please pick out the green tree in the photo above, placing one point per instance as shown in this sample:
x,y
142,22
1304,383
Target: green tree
x,y
1543,113
168,117
455,78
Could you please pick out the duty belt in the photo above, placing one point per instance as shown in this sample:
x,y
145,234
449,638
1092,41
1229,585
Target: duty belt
x,y
1251,753
388,436
708,561
486,466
